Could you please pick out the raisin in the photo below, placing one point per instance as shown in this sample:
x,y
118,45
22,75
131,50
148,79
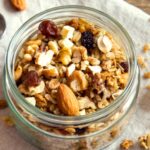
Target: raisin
x,y
87,40
80,130
124,65
31,78
48,28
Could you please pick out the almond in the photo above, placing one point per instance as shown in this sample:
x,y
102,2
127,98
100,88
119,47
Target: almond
x,y
77,81
19,4
67,101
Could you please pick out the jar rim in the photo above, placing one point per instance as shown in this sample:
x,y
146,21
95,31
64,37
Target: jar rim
x,y
67,120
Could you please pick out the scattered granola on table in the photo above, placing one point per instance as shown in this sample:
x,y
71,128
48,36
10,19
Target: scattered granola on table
x,y
147,75
144,141
7,120
148,87
126,144
71,69
141,62
146,47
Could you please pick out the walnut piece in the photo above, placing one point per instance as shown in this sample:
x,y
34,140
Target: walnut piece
x,y
77,81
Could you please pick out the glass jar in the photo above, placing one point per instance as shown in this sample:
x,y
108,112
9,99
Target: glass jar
x,y
47,131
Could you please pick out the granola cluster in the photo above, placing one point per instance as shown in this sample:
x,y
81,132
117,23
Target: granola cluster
x,y
144,141
126,144
73,68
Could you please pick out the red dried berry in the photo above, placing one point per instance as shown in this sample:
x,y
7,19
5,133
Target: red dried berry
x,y
124,65
48,28
31,78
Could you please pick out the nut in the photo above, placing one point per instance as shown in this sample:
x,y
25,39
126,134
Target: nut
x,y
44,58
67,101
67,32
104,44
93,61
115,95
76,36
49,72
84,64
31,100
64,57
85,102
27,58
82,112
54,84
65,43
18,73
40,100
30,50
53,46
95,69
103,104
77,81
19,4
37,89
34,42
70,69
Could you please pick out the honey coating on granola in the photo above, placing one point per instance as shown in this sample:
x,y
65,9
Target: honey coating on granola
x,y
74,68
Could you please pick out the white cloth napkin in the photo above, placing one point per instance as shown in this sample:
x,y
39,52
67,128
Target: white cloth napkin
x,y
136,22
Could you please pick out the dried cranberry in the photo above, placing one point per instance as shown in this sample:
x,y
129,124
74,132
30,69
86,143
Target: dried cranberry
x,y
87,39
31,78
124,65
48,28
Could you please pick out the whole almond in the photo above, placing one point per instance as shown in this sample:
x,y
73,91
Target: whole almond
x,y
67,101
19,4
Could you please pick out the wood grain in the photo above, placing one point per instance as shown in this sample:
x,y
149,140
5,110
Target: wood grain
x,y
143,4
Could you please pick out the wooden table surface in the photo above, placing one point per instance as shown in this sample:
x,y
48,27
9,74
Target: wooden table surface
x,y
143,4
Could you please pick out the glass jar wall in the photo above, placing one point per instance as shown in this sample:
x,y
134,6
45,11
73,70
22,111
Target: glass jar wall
x,y
47,131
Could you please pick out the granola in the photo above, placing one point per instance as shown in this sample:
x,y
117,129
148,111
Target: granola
x,y
126,144
146,47
73,68
144,141
141,61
